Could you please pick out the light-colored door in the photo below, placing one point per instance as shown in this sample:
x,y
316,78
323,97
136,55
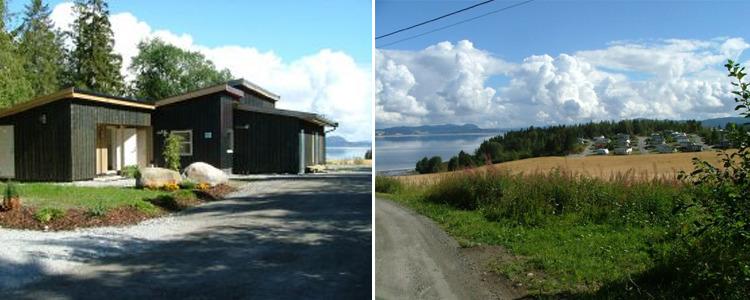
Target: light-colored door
x,y
7,152
102,150
129,147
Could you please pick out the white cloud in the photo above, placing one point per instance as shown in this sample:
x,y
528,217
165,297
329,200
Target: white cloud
x,y
676,79
327,81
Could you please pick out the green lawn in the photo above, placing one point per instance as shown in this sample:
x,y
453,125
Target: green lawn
x,y
65,197
566,257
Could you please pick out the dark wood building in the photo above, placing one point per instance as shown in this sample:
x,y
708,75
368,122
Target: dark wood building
x,y
73,135
76,135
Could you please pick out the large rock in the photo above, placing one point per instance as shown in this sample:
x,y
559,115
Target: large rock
x,y
158,177
201,172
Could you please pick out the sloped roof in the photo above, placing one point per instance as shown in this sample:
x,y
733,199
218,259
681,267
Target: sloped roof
x,y
241,82
201,92
310,117
75,93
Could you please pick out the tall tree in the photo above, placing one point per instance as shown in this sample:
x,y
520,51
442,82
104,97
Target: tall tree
x,y
14,87
94,64
41,46
163,70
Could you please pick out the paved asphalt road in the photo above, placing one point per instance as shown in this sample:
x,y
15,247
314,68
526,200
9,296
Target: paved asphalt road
x,y
304,238
415,259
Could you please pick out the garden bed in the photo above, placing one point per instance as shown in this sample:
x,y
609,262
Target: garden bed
x,y
54,208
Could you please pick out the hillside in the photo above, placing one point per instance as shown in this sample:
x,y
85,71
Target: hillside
x,y
338,141
722,122
435,129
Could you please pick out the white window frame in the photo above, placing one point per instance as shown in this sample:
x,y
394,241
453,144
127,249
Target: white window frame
x,y
190,142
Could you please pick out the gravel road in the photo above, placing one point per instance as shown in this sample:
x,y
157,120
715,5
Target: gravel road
x,y
286,238
415,259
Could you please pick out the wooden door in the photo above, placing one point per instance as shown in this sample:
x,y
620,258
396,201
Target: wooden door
x,y
7,153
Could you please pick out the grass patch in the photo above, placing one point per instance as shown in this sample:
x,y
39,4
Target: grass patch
x,y
578,236
68,197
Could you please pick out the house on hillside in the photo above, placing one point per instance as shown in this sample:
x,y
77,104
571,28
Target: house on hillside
x,y
601,142
623,151
601,151
656,139
692,147
622,140
235,126
664,148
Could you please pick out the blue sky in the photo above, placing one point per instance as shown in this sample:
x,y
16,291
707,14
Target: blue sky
x,y
552,62
315,54
289,28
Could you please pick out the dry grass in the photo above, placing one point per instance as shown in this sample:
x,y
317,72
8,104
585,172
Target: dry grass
x,y
352,161
614,168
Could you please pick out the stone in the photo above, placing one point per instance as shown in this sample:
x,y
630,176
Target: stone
x,y
158,177
200,172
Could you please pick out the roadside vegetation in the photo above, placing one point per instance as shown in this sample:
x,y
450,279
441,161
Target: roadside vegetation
x,y
580,237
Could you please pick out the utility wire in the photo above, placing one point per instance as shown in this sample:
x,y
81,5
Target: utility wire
x,y
435,19
457,23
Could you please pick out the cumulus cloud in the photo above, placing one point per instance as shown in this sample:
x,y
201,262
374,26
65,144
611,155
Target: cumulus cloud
x,y
675,79
327,81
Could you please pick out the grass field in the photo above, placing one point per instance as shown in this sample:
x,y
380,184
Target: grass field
x,y
66,197
610,167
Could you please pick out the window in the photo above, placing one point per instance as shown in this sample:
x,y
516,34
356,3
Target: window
x,y
186,146
230,138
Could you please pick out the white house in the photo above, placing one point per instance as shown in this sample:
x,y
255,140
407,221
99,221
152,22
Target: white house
x,y
623,151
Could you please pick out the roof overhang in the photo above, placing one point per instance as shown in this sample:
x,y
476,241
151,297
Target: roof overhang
x,y
71,93
255,88
202,92
309,117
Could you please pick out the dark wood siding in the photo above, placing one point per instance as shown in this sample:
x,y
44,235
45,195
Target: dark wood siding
x,y
85,116
42,150
317,133
256,100
201,115
265,143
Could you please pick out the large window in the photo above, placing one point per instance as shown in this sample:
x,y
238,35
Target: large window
x,y
186,146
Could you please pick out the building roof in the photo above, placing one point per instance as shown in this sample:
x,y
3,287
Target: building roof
x,y
310,117
241,82
201,92
75,93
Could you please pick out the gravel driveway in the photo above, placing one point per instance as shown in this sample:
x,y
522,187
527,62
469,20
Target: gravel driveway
x,y
288,238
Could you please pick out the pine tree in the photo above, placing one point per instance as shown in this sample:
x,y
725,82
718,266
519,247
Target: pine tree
x,y
94,65
14,87
41,46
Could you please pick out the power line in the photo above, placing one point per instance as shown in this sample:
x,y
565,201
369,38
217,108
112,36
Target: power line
x,y
435,19
457,23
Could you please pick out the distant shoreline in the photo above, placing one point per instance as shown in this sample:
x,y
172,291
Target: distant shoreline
x,y
440,134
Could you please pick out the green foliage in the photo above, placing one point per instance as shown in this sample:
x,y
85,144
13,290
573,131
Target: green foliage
x,y
14,85
714,257
145,207
93,64
431,165
163,70
131,171
368,154
97,211
42,49
387,184
171,151
187,184
11,190
47,214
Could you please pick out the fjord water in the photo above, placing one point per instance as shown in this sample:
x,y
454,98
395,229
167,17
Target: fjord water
x,y
335,153
401,152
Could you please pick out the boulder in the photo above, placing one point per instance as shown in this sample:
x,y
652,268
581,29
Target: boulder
x,y
200,172
158,177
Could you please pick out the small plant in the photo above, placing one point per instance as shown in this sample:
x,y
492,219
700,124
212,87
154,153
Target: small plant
x,y
11,199
171,187
187,185
145,207
97,211
171,151
45,215
131,172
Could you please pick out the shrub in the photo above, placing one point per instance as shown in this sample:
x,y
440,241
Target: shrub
x,y
171,187
171,151
11,190
187,185
368,154
467,191
47,214
387,184
131,171
97,211
145,207
11,199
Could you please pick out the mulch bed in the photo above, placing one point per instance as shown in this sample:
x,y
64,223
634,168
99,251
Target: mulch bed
x,y
23,218
74,218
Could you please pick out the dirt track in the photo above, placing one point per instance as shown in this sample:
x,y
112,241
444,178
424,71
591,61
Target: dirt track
x,y
415,259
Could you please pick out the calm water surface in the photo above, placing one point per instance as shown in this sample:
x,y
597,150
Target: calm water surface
x,y
402,152
345,152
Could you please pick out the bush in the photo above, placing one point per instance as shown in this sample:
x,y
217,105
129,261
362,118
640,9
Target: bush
x,y
11,190
131,172
171,151
387,184
145,207
187,185
11,199
171,187
47,214
467,191
368,154
97,211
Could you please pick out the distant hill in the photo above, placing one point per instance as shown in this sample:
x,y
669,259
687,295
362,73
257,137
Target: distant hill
x,y
434,129
337,141
722,122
